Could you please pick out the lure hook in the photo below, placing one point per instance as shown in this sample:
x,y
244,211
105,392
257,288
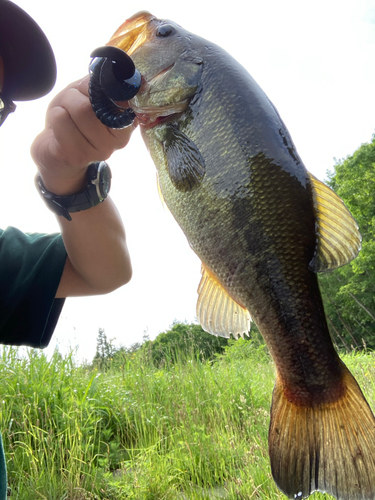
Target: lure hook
x,y
113,77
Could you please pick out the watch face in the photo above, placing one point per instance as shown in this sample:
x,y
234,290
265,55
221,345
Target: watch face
x,y
105,181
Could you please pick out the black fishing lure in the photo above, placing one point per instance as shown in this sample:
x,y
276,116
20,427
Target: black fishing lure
x,y
113,77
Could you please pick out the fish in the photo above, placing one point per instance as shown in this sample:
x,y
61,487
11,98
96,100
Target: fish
x,y
263,227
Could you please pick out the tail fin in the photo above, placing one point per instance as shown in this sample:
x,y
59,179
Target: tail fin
x,y
328,448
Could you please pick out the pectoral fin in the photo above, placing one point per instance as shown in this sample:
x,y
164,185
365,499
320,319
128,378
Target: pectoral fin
x,y
217,312
186,165
338,236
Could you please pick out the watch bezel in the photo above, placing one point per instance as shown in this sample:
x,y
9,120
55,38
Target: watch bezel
x,y
97,179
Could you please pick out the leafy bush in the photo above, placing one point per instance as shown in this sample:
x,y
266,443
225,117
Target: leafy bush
x,y
184,342
348,292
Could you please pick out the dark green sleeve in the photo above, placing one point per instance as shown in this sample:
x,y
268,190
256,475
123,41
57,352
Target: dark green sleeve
x,y
31,266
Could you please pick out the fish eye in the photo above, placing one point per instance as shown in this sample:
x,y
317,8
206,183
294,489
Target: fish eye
x,y
165,30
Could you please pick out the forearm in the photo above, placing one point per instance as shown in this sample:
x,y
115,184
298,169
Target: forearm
x,y
98,258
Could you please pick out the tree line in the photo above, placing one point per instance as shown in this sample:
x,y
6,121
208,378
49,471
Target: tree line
x,y
348,292
183,341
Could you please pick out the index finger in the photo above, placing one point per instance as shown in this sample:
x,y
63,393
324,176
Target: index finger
x,y
83,87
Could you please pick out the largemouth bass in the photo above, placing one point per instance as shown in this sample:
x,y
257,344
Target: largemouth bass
x,y
263,226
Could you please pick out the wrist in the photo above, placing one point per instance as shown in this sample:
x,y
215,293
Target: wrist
x,y
94,190
63,185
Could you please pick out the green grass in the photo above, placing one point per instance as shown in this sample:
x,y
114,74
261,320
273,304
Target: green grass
x,y
189,430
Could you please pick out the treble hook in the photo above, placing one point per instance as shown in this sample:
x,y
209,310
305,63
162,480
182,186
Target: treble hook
x,y
113,77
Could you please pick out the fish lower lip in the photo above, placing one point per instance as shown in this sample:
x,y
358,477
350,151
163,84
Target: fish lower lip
x,y
151,116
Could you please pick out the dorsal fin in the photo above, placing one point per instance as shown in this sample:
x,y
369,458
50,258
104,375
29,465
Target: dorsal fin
x,y
217,312
338,236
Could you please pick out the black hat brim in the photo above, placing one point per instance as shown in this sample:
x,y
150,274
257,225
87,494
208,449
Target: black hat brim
x,y
29,62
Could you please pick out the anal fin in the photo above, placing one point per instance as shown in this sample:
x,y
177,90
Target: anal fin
x,y
328,448
217,312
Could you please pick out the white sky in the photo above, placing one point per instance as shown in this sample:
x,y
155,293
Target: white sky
x,y
315,61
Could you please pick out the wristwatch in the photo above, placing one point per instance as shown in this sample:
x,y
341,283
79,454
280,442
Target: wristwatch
x,y
98,183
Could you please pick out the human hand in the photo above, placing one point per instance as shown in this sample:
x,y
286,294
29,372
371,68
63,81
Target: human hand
x,y
72,139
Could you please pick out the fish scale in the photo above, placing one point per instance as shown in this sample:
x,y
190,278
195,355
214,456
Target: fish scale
x,y
262,226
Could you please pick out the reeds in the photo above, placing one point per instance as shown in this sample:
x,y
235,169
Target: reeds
x,y
187,430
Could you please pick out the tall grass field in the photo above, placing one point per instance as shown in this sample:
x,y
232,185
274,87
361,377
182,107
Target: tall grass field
x,y
183,430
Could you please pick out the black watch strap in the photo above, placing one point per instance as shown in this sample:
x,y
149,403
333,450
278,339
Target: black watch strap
x,y
98,183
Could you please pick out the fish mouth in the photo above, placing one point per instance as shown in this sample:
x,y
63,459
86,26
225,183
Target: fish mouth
x,y
151,116
133,33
